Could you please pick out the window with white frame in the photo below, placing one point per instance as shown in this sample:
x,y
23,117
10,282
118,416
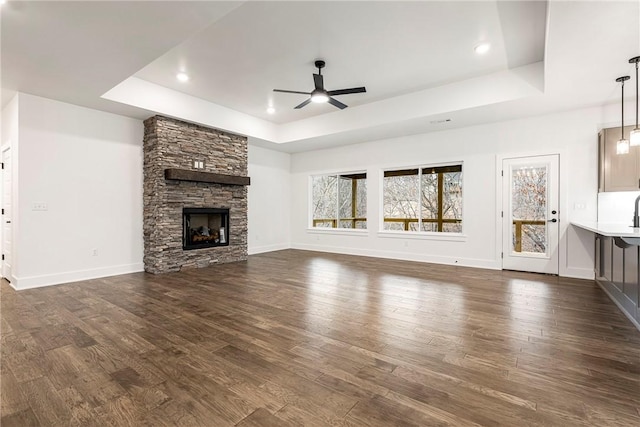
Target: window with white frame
x,y
428,198
339,200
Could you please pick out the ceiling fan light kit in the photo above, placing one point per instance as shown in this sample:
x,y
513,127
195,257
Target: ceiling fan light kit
x,y
320,95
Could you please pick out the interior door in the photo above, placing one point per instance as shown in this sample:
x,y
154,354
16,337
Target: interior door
x,y
6,216
530,213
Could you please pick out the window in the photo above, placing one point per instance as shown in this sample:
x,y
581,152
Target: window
x,y
339,201
423,199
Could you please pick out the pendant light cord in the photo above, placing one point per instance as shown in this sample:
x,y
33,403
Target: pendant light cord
x,y
622,118
636,93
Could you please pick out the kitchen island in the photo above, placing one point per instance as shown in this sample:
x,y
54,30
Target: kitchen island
x,y
617,259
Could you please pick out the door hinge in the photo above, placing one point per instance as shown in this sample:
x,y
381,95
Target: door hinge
x,y
2,165
2,257
502,173
2,211
502,255
501,214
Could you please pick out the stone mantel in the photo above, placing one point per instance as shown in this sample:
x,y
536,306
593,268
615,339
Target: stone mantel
x,y
199,176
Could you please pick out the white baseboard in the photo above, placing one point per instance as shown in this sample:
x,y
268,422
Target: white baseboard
x,y
579,273
12,281
30,282
268,248
404,256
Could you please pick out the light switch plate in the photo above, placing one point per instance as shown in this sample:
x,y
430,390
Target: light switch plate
x,y
39,206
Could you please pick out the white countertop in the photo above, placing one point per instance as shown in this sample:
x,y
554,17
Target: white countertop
x,y
608,229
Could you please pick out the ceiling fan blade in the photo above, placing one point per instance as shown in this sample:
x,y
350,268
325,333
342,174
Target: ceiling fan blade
x,y
302,104
337,103
292,91
347,91
319,81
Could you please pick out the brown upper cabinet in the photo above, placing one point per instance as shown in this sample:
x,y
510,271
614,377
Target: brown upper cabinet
x,y
617,172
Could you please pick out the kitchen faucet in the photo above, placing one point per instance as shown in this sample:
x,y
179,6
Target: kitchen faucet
x,y
636,218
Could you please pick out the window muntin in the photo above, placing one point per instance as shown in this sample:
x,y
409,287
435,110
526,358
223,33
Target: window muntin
x,y
425,199
339,201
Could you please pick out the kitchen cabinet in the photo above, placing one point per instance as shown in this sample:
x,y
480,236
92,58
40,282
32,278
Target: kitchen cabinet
x,y
617,267
617,273
604,248
617,172
631,282
617,264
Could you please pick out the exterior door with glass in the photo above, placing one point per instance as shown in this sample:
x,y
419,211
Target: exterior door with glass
x,y
530,214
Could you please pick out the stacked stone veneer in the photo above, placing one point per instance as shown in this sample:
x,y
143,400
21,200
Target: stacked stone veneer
x,y
170,143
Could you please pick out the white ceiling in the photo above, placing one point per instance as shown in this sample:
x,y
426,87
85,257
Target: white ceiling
x,y
392,48
415,58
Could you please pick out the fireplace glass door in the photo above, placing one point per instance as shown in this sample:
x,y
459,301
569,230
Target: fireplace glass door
x,y
205,227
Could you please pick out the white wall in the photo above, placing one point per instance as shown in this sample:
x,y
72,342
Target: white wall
x,y
86,166
571,134
269,200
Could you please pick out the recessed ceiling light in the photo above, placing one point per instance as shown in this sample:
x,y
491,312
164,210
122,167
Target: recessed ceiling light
x,y
482,48
183,77
271,110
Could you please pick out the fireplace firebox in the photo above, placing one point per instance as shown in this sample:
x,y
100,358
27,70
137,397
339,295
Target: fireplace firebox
x,y
205,228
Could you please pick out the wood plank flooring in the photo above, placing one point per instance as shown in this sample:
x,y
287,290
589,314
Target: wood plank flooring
x,y
296,338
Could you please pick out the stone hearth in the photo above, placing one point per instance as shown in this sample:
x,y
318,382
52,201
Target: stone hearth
x,y
174,144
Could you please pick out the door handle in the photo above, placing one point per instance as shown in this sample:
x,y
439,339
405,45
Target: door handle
x,y
552,220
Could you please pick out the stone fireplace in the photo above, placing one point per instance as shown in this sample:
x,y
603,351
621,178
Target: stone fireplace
x,y
195,196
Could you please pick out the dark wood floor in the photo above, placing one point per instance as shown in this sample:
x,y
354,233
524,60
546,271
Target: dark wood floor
x,y
296,338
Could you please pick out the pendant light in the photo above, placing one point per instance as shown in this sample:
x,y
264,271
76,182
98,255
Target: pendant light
x,y
634,137
623,145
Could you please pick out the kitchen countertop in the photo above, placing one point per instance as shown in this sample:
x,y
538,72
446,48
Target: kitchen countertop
x,y
608,229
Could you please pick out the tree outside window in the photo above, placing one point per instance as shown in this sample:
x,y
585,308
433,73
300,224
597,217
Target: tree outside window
x,y
423,199
529,209
339,201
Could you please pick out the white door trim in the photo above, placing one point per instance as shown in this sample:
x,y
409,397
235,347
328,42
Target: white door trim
x,y
3,151
563,204
548,261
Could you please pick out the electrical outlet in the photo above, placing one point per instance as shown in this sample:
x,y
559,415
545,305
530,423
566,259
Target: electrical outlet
x,y
39,206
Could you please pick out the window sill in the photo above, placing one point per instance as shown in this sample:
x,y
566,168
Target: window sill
x,y
339,231
450,237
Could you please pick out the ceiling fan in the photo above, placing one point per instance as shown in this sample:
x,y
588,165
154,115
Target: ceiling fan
x,y
320,94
